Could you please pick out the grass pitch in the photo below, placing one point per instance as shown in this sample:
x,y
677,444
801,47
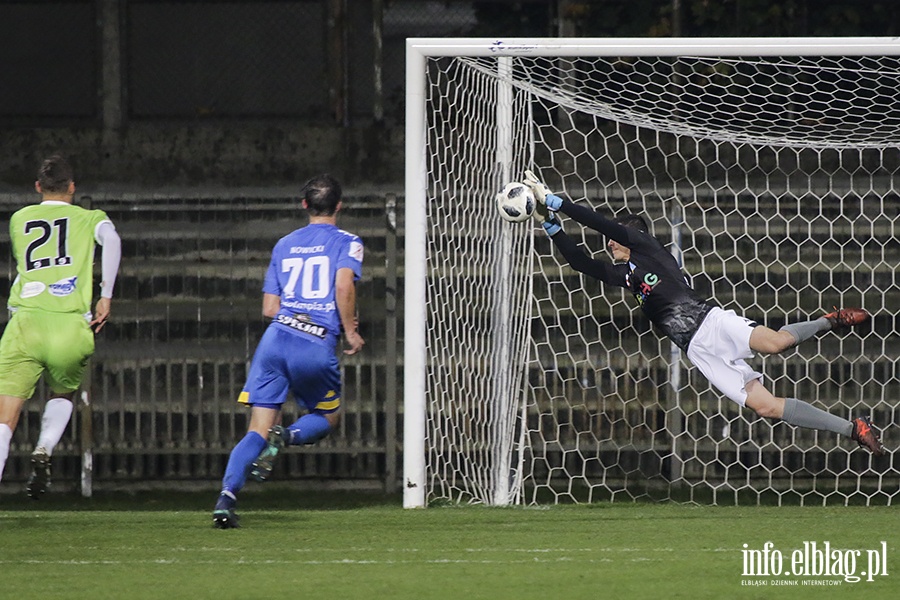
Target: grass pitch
x,y
350,545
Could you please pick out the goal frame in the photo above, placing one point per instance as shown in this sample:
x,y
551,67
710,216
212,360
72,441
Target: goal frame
x,y
418,50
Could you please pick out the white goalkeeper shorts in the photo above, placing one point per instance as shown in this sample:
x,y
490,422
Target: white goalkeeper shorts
x,y
718,350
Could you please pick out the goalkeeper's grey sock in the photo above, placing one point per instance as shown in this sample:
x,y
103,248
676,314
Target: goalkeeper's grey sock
x,y
804,330
802,414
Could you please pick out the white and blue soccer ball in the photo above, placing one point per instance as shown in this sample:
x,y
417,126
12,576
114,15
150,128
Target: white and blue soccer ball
x,y
515,202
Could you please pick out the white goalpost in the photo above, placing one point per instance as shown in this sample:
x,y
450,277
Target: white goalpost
x,y
767,165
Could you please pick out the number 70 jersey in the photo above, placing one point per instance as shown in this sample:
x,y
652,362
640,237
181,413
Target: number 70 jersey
x,y
302,273
53,244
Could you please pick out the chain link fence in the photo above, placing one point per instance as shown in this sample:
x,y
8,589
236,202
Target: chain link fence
x,y
321,61
160,399
49,60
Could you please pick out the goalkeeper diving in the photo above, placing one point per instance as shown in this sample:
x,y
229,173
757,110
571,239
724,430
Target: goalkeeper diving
x,y
716,341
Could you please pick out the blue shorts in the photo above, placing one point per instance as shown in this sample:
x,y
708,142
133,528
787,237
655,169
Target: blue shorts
x,y
284,362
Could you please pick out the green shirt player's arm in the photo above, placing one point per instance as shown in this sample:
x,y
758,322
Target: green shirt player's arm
x,y
111,255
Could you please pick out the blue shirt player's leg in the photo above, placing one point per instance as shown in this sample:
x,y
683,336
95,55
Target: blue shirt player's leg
x,y
318,389
265,390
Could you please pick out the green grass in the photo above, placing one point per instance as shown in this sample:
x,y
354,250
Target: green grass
x,y
351,545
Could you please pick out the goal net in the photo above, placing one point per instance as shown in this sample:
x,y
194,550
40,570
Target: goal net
x,y
767,167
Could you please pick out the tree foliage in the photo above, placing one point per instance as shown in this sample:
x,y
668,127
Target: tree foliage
x,y
738,18
696,18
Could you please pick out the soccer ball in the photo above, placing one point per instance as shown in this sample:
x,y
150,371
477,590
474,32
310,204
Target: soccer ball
x,y
515,202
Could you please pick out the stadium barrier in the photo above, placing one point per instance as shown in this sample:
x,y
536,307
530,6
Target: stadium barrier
x,y
186,318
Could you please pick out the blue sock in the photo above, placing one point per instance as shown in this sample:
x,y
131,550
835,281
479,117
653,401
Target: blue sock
x,y
309,429
226,501
244,453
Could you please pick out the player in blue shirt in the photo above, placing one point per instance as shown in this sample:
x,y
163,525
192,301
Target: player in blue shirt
x,y
310,294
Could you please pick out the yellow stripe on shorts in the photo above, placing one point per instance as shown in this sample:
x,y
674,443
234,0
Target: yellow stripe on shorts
x,y
328,404
244,398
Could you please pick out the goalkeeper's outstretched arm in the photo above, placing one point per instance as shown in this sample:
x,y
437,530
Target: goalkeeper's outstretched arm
x,y
627,236
579,260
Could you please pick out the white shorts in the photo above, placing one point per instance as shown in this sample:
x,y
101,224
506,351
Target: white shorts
x,y
719,348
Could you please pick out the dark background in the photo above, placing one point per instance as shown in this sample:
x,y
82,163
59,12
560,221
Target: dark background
x,y
204,92
193,123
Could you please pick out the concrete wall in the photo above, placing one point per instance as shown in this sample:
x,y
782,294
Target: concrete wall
x,y
198,154
135,70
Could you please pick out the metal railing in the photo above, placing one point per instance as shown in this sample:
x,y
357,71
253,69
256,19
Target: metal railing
x,y
160,400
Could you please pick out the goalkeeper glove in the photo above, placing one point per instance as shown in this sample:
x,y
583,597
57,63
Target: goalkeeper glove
x,y
548,220
542,192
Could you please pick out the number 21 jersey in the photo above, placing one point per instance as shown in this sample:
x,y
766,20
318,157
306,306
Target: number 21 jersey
x,y
53,244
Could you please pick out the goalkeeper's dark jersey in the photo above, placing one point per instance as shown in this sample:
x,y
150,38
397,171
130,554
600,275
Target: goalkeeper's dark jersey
x,y
652,274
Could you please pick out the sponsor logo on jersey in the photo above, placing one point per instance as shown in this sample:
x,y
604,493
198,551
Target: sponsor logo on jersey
x,y
32,289
63,287
644,287
302,323
356,250
313,306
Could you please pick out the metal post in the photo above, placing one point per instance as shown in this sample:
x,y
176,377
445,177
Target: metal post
x,y
87,443
337,62
390,366
111,89
378,60
674,413
676,18
415,271
503,394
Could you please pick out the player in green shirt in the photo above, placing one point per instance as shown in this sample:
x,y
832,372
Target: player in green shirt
x,y
50,328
